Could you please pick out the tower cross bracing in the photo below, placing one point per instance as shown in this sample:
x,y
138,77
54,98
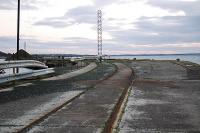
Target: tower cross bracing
x,y
99,32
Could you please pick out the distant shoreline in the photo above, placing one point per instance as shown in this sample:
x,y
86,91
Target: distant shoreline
x,y
195,58
192,57
155,54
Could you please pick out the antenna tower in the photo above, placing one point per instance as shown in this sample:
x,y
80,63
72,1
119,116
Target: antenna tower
x,y
99,32
25,45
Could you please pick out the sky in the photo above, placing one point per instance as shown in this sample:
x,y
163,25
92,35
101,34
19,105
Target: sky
x,y
129,26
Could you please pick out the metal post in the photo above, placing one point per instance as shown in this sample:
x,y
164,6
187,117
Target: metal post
x,y
18,28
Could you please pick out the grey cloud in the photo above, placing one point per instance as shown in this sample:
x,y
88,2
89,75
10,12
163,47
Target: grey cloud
x,y
170,29
176,29
12,4
54,22
79,45
101,3
7,41
8,5
80,42
84,14
68,44
191,8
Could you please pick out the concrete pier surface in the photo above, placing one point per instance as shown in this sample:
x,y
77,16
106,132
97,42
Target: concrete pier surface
x,y
90,112
165,97
25,102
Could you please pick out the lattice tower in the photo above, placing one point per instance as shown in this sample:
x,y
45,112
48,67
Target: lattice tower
x,y
99,32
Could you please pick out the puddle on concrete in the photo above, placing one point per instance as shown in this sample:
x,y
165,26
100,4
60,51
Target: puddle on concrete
x,y
12,88
136,92
139,101
132,113
142,102
173,94
39,111
107,106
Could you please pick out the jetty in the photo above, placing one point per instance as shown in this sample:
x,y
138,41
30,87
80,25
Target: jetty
x,y
112,96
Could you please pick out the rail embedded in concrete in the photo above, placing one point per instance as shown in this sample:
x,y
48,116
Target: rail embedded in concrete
x,y
92,112
21,63
23,75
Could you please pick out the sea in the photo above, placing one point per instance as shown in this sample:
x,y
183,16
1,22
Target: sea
x,y
195,58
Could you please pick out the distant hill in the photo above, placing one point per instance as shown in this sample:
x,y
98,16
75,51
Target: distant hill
x,y
56,55
23,55
2,54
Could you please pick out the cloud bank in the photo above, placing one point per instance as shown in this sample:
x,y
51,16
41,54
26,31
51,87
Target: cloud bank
x,y
129,26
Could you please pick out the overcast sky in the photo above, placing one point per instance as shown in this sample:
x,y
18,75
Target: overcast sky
x,y
129,26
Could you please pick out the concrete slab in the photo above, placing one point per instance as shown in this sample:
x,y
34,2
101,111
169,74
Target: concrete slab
x,y
24,103
90,112
170,103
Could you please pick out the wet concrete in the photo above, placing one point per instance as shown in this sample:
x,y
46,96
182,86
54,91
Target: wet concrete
x,y
90,112
164,98
23,103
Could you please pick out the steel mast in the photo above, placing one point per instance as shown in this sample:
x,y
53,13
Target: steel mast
x,y
99,33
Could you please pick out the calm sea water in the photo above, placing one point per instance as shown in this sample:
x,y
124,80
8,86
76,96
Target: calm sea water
x,y
192,58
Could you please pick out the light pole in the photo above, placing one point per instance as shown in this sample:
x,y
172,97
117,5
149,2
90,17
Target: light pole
x,y
18,28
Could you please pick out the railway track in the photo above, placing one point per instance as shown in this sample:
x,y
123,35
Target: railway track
x,y
29,126
49,113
